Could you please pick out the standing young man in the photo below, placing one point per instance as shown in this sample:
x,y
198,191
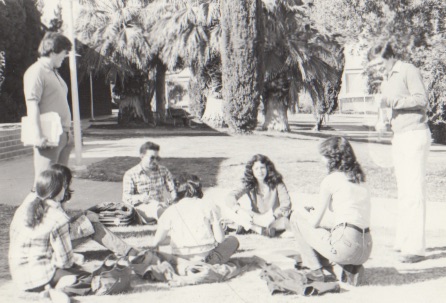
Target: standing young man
x,y
144,185
403,91
46,91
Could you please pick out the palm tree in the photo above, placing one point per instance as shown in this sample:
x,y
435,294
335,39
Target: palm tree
x,y
186,33
295,59
118,47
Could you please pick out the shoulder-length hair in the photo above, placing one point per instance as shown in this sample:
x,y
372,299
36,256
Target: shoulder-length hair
x,y
188,186
67,177
272,178
48,185
341,158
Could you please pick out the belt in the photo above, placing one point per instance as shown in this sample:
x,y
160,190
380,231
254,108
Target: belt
x,y
365,230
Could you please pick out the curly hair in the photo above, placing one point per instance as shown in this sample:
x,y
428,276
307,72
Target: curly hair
x,y
341,157
188,185
273,177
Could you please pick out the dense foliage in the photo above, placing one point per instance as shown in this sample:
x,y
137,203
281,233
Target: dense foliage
x,y
20,34
242,61
417,30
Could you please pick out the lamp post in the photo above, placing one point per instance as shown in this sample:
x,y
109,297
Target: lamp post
x,y
74,89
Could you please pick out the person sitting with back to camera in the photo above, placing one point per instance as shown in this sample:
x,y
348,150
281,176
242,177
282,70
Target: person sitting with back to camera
x,y
263,204
193,224
144,185
347,242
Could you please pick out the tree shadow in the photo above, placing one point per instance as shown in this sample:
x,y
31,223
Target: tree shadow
x,y
114,168
383,276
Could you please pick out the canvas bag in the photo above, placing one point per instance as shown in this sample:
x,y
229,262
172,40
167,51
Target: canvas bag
x,y
112,277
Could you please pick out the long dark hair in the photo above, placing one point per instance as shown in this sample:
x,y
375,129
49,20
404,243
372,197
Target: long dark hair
x,y
67,177
48,185
188,185
341,157
273,177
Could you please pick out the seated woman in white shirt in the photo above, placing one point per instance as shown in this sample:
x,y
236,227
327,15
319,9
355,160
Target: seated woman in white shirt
x,y
193,224
262,204
343,192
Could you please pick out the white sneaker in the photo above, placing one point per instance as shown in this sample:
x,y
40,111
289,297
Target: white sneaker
x,y
58,296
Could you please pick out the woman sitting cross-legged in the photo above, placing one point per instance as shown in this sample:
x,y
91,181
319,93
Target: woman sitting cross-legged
x,y
41,244
193,224
348,242
263,204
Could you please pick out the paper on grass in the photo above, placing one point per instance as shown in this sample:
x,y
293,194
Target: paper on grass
x,y
51,129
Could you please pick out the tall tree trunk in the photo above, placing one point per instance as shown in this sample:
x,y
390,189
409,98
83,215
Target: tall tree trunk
x,y
129,95
242,61
197,86
214,115
160,90
131,111
276,117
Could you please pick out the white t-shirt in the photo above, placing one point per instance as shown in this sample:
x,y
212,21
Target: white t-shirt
x,y
350,201
189,223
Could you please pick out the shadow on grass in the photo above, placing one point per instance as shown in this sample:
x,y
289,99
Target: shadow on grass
x,y
384,276
436,249
113,169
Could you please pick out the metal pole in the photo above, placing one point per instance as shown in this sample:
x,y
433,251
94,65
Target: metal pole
x,y
91,96
74,89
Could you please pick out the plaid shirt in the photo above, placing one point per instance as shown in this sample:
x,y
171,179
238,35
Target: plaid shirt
x,y
137,181
35,253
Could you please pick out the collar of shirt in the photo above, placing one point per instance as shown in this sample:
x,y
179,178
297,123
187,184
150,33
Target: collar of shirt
x,y
395,69
46,63
143,171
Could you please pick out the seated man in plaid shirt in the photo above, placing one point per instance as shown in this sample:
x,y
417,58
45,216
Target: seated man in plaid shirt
x,y
145,184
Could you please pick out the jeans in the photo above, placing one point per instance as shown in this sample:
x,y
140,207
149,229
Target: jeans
x,y
319,247
106,238
223,251
45,157
410,151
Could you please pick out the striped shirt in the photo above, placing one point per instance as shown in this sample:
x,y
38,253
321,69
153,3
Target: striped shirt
x,y
35,253
138,181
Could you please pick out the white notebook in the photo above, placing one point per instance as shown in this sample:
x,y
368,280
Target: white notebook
x,y
51,129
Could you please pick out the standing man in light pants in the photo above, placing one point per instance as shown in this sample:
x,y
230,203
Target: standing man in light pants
x,y
46,91
404,92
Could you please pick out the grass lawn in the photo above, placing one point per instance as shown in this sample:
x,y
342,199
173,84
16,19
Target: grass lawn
x,y
219,161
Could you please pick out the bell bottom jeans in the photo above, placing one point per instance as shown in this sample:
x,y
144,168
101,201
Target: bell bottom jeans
x,y
318,246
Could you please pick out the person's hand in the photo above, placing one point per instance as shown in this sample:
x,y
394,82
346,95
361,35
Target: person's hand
x,y
41,143
93,217
381,101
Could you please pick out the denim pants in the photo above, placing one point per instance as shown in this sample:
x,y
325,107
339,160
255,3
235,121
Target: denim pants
x,y
410,151
318,246
106,238
45,157
223,251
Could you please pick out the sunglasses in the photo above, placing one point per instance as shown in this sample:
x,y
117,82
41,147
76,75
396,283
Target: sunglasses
x,y
156,158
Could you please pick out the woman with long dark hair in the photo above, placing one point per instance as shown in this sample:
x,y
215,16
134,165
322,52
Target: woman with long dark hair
x,y
262,204
343,192
42,235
